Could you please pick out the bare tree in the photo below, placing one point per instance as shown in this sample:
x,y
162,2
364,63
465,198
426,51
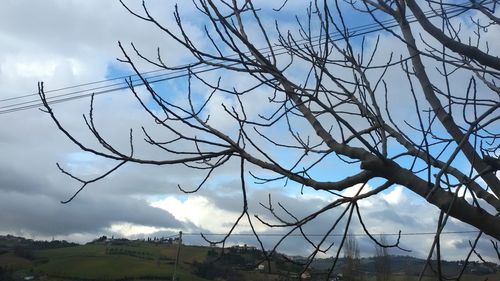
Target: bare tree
x,y
382,260
323,87
352,267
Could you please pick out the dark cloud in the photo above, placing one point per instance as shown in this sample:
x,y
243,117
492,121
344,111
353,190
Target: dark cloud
x,y
42,215
12,180
31,188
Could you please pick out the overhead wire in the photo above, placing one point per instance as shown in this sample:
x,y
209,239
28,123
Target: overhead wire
x,y
136,79
334,234
354,32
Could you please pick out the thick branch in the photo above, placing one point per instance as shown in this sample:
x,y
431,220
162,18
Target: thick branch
x,y
444,117
458,207
454,45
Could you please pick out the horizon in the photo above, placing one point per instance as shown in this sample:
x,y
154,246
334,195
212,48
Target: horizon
x,y
233,244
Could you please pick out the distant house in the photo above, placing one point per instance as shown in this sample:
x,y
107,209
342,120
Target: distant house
x,y
305,276
261,267
250,248
337,278
243,249
164,240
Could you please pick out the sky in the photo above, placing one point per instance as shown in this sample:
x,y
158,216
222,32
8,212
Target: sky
x,y
67,43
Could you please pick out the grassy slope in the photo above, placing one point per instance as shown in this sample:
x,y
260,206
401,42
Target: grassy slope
x,y
135,259
92,261
9,260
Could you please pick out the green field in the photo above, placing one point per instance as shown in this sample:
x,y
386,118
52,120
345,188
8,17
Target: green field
x,y
105,261
146,261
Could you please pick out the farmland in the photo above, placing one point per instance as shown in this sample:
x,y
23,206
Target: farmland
x,y
132,260
120,259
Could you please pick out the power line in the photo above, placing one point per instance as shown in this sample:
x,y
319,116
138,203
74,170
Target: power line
x,y
80,85
175,74
354,32
70,96
266,50
333,234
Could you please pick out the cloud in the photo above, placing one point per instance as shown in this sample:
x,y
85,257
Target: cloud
x,y
42,215
396,196
199,211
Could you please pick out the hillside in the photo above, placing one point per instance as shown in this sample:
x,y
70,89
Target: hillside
x,y
110,260
408,268
120,259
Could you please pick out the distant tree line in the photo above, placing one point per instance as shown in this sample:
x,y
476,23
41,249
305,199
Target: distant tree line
x,y
127,252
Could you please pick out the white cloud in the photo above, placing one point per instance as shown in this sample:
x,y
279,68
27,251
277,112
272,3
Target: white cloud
x,y
396,196
203,213
130,229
